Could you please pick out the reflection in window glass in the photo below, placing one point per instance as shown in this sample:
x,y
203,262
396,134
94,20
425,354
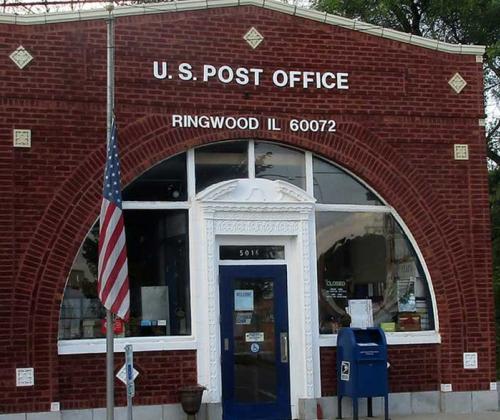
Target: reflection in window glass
x,y
81,310
367,256
163,182
277,162
334,186
220,162
157,248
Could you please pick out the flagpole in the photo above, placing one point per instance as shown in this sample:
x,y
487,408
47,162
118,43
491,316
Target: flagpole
x,y
110,391
110,377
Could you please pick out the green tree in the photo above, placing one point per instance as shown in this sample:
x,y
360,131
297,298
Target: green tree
x,y
462,22
494,178
459,22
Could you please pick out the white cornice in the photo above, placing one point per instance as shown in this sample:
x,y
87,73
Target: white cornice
x,y
186,5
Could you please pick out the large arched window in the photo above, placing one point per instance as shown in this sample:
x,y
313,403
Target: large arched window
x,y
158,263
362,250
363,253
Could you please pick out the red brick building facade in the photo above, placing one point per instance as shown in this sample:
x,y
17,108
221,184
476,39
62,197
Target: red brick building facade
x,y
396,128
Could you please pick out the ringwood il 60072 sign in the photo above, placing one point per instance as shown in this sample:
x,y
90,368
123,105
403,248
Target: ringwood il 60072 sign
x,y
229,122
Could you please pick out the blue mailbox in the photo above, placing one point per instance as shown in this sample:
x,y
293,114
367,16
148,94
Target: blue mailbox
x,y
362,368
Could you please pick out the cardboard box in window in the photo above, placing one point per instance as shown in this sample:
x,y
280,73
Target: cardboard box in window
x,y
388,326
408,321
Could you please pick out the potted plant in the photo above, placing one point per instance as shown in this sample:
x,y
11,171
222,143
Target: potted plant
x,y
191,399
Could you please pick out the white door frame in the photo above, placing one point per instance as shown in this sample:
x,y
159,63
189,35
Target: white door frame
x,y
263,212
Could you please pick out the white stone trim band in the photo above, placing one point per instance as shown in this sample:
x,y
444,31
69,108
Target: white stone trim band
x,y
185,5
393,338
98,345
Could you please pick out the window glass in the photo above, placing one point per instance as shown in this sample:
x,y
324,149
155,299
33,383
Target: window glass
x,y
361,255
81,310
157,244
220,162
157,249
277,162
166,181
367,256
334,186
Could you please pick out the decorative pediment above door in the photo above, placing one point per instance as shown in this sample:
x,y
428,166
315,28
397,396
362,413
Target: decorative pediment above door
x,y
255,191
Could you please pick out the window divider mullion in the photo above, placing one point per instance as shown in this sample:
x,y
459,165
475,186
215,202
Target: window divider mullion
x,y
191,175
309,174
251,159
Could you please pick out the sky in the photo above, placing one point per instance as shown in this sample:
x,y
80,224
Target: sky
x,y
79,5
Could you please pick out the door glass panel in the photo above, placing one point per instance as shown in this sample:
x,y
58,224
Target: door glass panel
x,y
254,340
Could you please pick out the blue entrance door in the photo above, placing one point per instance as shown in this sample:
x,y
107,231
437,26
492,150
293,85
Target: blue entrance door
x,y
254,334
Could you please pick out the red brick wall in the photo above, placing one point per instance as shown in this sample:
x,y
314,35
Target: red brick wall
x,y
412,368
82,384
396,128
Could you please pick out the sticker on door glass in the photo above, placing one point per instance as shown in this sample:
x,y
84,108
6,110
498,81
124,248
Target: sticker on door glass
x,y
243,300
345,371
243,318
254,337
254,348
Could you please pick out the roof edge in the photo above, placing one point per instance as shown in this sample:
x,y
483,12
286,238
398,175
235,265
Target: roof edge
x,y
186,5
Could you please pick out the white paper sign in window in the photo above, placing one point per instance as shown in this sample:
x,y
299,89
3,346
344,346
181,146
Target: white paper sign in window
x,y
243,300
154,305
361,313
254,337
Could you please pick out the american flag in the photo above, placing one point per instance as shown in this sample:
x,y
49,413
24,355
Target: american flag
x,y
112,280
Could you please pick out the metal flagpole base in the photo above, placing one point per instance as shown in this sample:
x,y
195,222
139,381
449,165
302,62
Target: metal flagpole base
x,y
110,367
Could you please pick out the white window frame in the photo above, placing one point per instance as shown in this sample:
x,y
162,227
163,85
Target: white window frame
x,y
400,337
153,343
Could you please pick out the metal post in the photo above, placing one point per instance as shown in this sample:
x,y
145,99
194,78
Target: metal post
x,y
129,407
110,377
129,367
370,407
110,68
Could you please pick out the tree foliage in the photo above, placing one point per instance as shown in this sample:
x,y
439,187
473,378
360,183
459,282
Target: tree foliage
x,y
458,22
494,194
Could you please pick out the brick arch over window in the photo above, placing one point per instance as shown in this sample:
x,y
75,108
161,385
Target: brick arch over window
x,y
74,208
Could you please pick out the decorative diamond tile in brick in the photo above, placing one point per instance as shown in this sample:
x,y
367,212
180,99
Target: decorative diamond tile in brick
x,y
21,57
253,37
25,377
457,83
22,138
461,151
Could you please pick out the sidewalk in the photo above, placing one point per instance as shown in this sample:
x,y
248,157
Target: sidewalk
x,y
492,415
